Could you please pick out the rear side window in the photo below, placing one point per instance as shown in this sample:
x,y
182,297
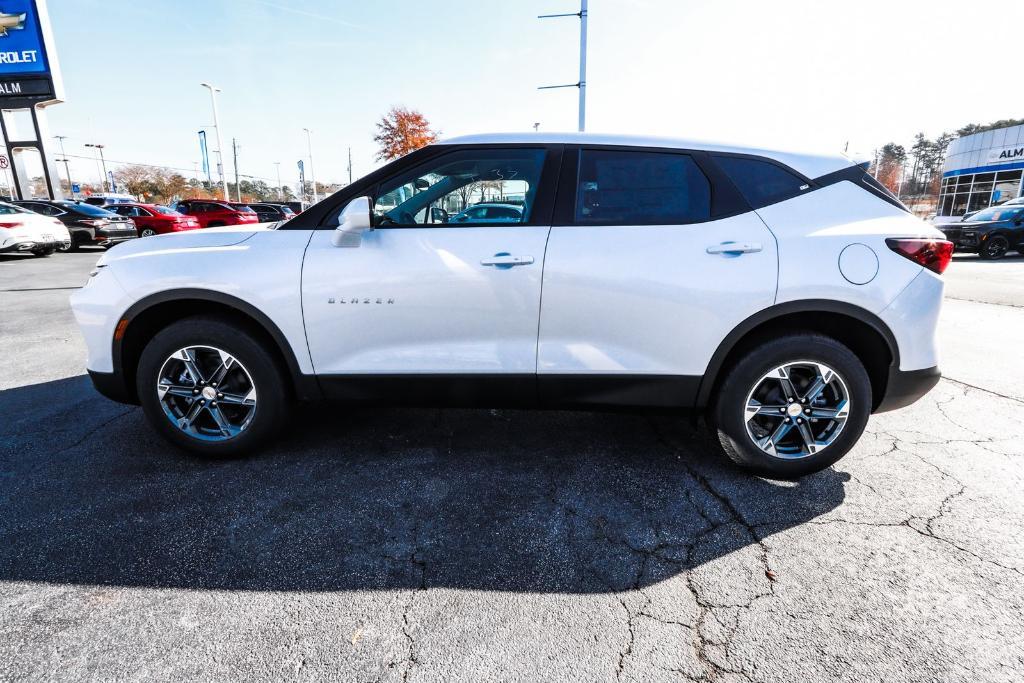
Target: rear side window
x,y
761,182
641,188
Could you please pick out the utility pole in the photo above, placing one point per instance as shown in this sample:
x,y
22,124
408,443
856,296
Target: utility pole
x,y
280,190
582,83
312,173
349,165
220,144
238,187
67,168
102,161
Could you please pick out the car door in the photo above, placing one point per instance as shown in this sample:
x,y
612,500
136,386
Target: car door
x,y
652,260
455,305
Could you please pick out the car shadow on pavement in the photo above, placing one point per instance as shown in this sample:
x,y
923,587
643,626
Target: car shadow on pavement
x,y
376,499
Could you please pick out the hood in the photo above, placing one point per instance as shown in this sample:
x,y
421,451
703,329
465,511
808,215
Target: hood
x,y
208,238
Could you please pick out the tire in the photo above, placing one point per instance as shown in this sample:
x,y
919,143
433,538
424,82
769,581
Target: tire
x,y
215,224
994,248
73,246
43,252
147,232
804,356
254,372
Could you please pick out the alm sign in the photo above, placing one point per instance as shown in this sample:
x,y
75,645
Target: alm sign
x,y
999,156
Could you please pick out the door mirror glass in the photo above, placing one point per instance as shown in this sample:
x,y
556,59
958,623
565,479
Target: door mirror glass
x,y
352,223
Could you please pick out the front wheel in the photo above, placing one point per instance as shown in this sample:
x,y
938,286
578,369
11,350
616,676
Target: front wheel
x,y
793,406
212,387
994,248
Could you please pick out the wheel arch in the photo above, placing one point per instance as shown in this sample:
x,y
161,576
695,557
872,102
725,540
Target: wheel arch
x,y
154,312
863,332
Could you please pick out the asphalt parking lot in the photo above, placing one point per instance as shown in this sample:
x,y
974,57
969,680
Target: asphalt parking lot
x,y
386,544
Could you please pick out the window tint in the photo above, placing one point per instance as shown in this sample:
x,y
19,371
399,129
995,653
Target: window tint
x,y
761,182
641,188
455,182
44,209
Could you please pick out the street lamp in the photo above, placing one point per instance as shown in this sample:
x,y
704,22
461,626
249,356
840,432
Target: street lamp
x,y
102,161
312,173
280,190
582,83
67,168
220,145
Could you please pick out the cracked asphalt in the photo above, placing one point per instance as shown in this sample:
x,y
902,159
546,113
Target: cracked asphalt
x,y
421,545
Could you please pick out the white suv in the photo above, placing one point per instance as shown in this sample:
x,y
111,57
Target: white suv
x,y
786,295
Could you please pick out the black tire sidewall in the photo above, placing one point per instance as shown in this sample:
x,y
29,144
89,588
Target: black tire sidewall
x,y
728,414
271,388
984,253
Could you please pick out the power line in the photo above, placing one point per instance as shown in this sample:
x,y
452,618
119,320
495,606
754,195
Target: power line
x,y
167,168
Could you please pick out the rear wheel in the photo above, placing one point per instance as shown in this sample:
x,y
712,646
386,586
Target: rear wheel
x,y
212,387
72,245
44,252
793,406
995,247
147,232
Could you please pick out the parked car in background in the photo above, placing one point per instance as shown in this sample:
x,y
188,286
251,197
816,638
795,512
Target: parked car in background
x,y
269,212
22,230
212,214
991,232
676,276
153,219
492,213
104,198
87,224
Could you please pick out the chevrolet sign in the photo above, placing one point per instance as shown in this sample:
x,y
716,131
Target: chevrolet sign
x,y
29,74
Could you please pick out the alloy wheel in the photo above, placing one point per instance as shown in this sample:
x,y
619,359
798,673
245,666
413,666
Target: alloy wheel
x,y
148,232
997,246
797,410
206,393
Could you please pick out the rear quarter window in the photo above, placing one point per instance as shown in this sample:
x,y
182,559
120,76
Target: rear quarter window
x,y
761,182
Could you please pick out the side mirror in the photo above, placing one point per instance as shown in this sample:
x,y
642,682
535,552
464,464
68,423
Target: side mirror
x,y
352,223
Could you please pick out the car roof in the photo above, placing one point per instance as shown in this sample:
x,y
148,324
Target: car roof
x,y
507,206
811,164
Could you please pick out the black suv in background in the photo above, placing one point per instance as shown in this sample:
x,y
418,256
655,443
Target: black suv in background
x,y
87,224
990,233
270,212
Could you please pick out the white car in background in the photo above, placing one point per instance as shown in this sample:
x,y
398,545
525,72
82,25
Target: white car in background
x,y
787,296
22,230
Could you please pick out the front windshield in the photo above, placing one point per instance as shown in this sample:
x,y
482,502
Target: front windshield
x,y
166,211
87,209
998,214
8,208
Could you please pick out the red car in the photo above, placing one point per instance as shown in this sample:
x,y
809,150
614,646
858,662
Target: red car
x,y
152,219
211,214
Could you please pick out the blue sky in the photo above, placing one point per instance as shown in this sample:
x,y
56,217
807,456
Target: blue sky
x,y
805,74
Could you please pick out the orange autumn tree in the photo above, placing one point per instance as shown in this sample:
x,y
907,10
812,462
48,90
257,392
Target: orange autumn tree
x,y
401,131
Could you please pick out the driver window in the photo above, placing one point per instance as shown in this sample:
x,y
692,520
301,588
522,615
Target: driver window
x,y
468,187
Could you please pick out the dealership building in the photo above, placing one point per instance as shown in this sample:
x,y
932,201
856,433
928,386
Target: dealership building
x,y
981,170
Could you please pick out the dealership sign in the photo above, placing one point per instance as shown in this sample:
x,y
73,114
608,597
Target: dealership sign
x,y
999,156
29,73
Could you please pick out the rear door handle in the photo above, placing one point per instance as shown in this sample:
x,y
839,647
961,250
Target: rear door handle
x,y
734,248
506,260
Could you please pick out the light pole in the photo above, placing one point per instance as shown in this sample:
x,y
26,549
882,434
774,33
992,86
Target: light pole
x,y
220,145
102,161
280,190
312,173
582,83
67,167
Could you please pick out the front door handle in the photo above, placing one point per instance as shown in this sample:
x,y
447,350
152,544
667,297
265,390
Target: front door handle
x,y
734,248
506,260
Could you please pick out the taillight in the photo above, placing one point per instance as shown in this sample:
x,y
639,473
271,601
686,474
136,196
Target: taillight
x,y
934,255
5,224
